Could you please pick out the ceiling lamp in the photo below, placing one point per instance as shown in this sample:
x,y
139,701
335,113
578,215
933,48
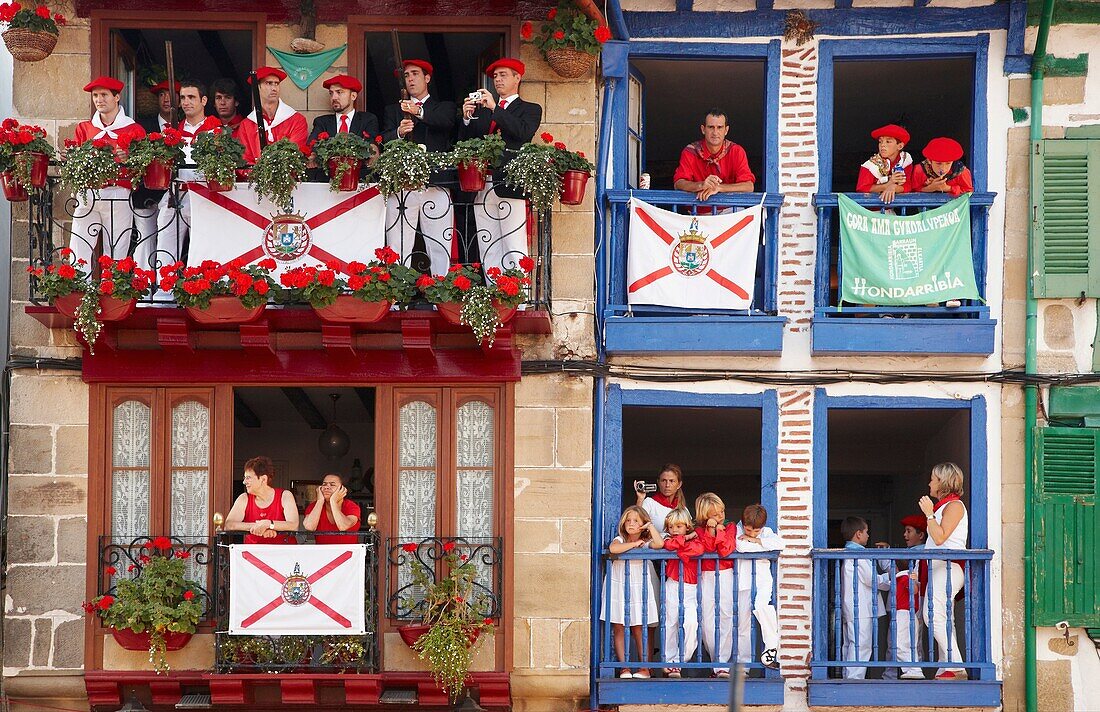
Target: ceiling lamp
x,y
334,443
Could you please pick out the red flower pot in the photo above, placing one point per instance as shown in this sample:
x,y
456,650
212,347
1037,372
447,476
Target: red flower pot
x,y
224,309
110,308
452,312
573,184
40,166
412,633
158,175
129,640
471,177
219,187
12,190
243,174
351,310
350,180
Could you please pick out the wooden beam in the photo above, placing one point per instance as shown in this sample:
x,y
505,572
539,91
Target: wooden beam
x,y
305,408
366,395
243,413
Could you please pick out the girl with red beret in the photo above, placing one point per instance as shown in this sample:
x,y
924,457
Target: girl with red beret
x,y
942,170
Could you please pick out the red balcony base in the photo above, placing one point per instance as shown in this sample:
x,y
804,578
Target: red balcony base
x,y
110,688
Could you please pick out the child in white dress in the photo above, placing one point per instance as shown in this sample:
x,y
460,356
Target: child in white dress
x,y
635,531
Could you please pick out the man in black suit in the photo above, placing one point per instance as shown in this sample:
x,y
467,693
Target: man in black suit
x,y
144,201
501,211
342,92
430,122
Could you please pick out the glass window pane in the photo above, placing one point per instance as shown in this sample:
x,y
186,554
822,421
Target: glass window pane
x,y
130,454
476,442
416,487
190,485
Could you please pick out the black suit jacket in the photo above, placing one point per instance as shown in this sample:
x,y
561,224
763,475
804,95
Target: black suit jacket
x,y
436,130
517,124
360,122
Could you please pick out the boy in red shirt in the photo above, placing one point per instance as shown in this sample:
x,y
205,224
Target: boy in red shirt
x,y
713,165
332,513
942,170
886,172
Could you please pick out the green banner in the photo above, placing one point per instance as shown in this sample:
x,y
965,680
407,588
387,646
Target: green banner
x,y
304,68
911,260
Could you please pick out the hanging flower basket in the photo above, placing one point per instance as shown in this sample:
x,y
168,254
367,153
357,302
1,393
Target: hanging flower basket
x,y
569,63
349,180
352,310
110,308
471,176
573,185
452,312
129,640
29,45
158,175
225,309
13,191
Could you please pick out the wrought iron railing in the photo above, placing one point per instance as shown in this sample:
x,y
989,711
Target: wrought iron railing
x,y
155,234
295,653
125,558
405,600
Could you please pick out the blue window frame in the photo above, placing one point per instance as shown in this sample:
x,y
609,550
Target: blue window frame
x,y
964,330
655,329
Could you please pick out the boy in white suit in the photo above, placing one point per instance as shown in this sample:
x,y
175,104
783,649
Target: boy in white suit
x,y
753,535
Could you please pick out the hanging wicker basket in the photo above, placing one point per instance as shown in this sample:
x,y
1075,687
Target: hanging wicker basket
x,y
28,45
569,63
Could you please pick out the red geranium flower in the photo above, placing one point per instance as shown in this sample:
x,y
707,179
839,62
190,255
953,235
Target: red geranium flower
x,y
525,30
559,145
144,559
459,599
110,571
488,621
188,595
59,19
410,547
356,282
449,546
268,264
386,255
559,35
462,283
183,554
552,14
602,33
106,287
43,12
425,280
322,136
131,568
547,137
155,136
162,543
106,602
66,271
526,263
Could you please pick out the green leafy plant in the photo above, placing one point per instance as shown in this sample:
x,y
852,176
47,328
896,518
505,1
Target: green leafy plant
x,y
88,166
38,19
158,601
538,168
480,302
18,144
485,152
277,173
246,650
62,277
164,147
196,286
405,165
384,279
343,148
344,652
454,616
218,155
567,27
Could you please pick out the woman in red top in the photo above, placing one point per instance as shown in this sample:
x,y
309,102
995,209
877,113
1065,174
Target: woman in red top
x,y
332,513
265,512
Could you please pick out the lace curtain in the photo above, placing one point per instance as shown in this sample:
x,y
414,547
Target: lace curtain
x,y
130,455
475,443
416,483
190,484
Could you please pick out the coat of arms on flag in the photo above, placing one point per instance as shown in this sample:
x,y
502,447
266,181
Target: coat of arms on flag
x,y
297,589
692,261
325,227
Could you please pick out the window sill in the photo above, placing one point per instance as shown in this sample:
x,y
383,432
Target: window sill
x,y
692,333
905,694
923,330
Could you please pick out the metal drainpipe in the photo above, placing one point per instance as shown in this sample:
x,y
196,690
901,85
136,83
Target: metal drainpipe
x,y
1031,391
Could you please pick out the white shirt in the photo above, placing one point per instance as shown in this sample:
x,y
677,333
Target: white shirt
x,y
769,541
957,539
161,122
657,513
351,117
866,583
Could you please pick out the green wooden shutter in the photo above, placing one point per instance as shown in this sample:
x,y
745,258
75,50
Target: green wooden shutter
x,y
1067,521
1067,232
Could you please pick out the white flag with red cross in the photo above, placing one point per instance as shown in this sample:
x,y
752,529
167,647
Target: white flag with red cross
x,y
692,261
323,228
297,589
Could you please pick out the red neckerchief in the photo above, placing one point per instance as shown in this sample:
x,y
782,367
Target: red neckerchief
x,y
953,172
943,502
711,159
663,501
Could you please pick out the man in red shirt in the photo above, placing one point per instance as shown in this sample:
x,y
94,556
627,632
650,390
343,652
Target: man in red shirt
x,y
280,119
105,213
332,513
225,102
713,165
942,170
886,172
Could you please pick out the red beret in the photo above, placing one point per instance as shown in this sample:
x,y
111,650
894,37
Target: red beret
x,y
425,66
505,63
108,83
162,86
891,130
348,82
264,72
916,521
943,149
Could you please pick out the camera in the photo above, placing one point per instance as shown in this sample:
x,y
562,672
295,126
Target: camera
x,y
474,96
643,486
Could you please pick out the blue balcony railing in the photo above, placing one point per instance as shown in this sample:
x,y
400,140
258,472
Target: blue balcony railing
x,y
680,633
860,639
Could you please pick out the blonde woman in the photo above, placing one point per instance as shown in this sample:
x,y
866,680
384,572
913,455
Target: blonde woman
x,y
669,495
948,528
635,531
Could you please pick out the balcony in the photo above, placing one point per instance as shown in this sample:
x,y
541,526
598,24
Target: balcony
x,y
640,329
964,330
971,625
697,684
406,341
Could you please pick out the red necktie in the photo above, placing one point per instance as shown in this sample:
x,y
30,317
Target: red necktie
x,y
492,124
343,123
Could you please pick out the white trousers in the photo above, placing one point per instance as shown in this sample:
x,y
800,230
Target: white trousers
x,y
106,217
432,210
673,625
501,229
858,646
943,608
721,647
765,615
908,633
171,235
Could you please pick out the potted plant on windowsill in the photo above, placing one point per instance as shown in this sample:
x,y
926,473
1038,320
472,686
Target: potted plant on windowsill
x,y
343,652
575,171
462,299
31,34
24,159
474,158
453,617
343,156
569,40
218,155
277,173
405,165
547,171
152,159
356,293
214,293
158,609
87,167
